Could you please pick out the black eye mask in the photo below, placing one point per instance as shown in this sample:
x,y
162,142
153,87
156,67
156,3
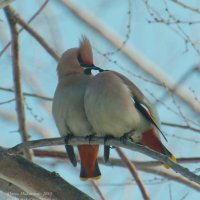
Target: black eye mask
x,y
88,68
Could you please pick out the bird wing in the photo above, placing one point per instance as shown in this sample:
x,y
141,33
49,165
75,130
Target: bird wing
x,y
138,100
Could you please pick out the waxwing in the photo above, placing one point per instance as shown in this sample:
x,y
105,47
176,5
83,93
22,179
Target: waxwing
x,y
116,107
68,106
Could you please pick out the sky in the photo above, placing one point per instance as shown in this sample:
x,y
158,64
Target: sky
x,y
163,32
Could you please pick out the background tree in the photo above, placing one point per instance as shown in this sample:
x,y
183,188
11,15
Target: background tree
x,y
155,44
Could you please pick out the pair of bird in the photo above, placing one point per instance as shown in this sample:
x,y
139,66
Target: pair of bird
x,y
107,104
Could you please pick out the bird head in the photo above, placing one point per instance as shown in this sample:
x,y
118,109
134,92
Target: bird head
x,y
72,60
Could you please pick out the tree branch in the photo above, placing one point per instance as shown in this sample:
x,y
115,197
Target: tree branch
x,y
181,126
33,33
29,21
12,190
141,165
112,142
35,180
97,190
170,176
134,173
17,79
28,94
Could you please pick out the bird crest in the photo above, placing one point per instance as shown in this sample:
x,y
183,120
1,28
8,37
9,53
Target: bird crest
x,y
85,56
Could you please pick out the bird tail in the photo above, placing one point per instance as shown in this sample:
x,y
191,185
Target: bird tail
x,y
170,155
151,140
89,165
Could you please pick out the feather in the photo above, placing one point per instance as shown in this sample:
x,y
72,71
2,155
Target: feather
x,y
147,114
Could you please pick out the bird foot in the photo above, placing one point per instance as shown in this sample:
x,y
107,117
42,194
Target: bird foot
x,y
127,136
89,137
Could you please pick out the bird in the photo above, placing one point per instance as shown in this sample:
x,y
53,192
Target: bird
x,y
115,107
68,107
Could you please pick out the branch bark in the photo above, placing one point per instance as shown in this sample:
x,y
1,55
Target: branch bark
x,y
4,3
12,190
112,142
17,79
35,180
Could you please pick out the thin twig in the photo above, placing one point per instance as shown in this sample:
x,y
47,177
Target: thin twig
x,y
134,173
50,99
29,21
33,33
8,101
17,80
181,126
98,190
170,176
112,142
197,10
131,53
28,94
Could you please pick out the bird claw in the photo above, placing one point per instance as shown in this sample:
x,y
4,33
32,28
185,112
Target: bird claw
x,y
107,137
89,137
127,136
68,137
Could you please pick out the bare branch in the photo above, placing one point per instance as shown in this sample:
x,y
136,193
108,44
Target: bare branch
x,y
33,33
134,173
181,126
98,190
132,54
186,6
35,180
28,94
170,176
112,142
17,79
8,101
29,21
